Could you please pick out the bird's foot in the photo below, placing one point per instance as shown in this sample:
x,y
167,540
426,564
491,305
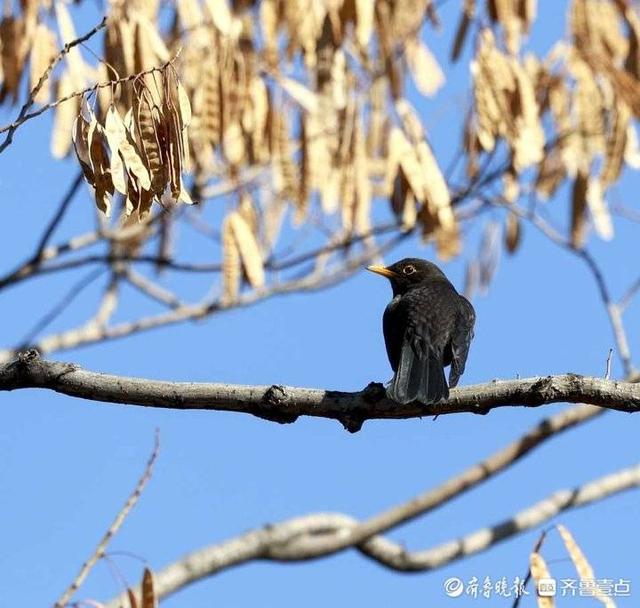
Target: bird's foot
x,y
374,392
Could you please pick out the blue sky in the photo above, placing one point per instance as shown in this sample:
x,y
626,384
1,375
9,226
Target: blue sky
x,y
66,466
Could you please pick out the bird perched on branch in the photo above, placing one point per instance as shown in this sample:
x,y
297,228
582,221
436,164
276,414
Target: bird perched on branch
x,y
427,326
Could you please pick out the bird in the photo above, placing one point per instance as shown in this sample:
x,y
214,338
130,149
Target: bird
x,y
427,326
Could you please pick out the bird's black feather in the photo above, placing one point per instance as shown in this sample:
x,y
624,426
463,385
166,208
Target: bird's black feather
x,y
461,340
427,326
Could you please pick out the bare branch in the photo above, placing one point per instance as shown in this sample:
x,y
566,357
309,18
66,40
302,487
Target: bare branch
x,y
297,539
11,128
151,289
62,305
396,557
36,266
527,578
614,310
107,306
63,206
113,528
607,371
286,404
23,116
81,336
33,266
628,296
340,242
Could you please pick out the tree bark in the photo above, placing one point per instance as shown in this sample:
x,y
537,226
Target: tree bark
x,y
285,403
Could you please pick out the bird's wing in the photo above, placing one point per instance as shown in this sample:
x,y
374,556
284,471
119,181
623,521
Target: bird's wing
x,y
461,340
420,375
393,324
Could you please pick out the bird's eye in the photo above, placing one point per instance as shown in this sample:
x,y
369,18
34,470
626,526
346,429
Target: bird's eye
x,y
408,269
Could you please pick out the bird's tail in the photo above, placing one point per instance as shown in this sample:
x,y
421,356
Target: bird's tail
x,y
419,379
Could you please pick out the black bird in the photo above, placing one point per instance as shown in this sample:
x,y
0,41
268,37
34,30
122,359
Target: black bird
x,y
427,326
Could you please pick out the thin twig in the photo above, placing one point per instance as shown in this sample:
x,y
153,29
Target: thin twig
x,y
299,539
342,243
314,281
625,300
57,218
151,289
30,268
23,116
614,311
101,85
607,373
113,528
527,578
61,306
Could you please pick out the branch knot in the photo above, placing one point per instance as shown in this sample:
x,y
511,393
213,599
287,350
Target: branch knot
x,y
26,357
273,399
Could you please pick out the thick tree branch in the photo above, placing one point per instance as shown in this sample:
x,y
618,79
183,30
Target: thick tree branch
x,y
286,404
302,538
476,474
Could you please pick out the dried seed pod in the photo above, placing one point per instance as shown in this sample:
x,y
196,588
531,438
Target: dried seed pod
x,y
150,135
540,571
578,210
616,143
43,51
65,115
12,55
77,68
424,67
149,599
512,233
582,565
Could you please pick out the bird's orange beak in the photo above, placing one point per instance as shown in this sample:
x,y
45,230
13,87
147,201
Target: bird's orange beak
x,y
383,270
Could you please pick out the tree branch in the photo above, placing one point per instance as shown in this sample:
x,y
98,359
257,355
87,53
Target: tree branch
x,y
319,278
614,310
286,404
23,116
63,207
100,550
302,538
